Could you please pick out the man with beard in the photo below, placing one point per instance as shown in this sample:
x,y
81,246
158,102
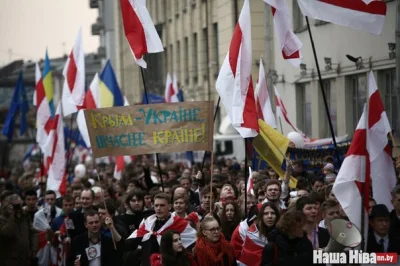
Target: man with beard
x,y
18,244
94,248
274,191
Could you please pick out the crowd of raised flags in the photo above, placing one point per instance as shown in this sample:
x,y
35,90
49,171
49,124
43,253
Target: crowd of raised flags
x,y
368,159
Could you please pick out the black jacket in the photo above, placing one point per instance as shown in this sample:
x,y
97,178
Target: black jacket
x,y
373,246
280,250
78,219
109,256
323,237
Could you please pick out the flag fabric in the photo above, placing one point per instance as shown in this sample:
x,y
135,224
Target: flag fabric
x,y
272,147
264,108
92,101
362,15
234,83
110,92
353,179
73,93
152,98
43,113
19,105
139,30
250,183
383,174
48,83
55,155
171,92
290,44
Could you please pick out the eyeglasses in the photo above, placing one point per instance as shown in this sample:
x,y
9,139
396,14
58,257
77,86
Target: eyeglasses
x,y
216,229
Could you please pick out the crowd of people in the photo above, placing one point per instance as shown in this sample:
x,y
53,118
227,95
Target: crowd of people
x,y
179,216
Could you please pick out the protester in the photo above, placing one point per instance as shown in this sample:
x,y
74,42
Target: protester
x,y
211,247
230,218
172,252
18,243
288,245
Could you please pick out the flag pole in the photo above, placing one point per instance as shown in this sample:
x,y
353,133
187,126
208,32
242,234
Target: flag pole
x,y
245,176
321,85
147,102
211,182
280,123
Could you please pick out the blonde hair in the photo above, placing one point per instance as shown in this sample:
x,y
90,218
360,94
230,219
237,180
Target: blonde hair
x,y
207,219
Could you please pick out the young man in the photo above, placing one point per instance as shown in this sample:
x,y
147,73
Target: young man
x,y
94,248
30,203
67,208
318,236
50,211
273,194
208,198
186,183
330,210
395,214
380,239
151,229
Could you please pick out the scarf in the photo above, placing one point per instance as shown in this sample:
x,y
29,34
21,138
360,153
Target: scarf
x,y
209,253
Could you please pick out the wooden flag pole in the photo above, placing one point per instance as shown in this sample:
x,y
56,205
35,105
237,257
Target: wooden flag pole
x,y
211,183
245,176
105,206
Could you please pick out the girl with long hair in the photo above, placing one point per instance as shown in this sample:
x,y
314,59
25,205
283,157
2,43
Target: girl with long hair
x,y
230,218
172,252
256,237
289,244
211,247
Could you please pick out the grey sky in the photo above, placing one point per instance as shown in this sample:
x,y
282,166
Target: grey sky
x,y
27,27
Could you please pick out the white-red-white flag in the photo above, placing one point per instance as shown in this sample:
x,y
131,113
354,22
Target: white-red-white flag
x,y
363,15
56,161
290,44
73,93
353,179
43,115
263,100
92,101
250,183
139,30
234,83
171,90
383,174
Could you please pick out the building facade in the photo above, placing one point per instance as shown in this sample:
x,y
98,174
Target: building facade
x,y
196,35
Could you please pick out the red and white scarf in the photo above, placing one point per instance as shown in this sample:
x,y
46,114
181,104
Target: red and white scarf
x,y
182,226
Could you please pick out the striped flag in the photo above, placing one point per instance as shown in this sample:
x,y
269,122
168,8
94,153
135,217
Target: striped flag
x,y
43,113
48,83
171,90
139,30
366,15
290,44
73,93
54,150
264,108
234,83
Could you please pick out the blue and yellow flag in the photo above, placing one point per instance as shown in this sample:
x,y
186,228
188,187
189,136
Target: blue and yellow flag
x,y
110,93
272,146
48,83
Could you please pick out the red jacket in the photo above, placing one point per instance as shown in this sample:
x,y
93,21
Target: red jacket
x,y
155,260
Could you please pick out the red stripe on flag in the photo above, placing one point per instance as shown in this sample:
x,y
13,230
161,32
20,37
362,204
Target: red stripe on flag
x,y
273,10
234,48
295,55
133,30
71,72
375,7
63,186
170,92
260,114
376,109
250,111
90,103
358,146
40,92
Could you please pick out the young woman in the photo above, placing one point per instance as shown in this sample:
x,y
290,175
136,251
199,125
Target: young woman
x,y
230,218
288,245
172,252
256,237
211,247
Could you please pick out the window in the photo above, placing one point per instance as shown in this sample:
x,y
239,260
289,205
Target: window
x,y
195,58
390,98
357,85
186,60
331,99
299,21
303,93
